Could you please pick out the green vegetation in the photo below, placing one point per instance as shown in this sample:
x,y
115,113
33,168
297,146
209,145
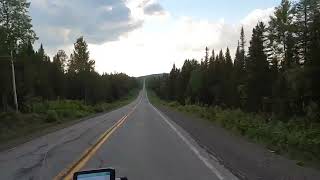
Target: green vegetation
x,y
269,92
39,77
47,114
292,137
278,73
50,92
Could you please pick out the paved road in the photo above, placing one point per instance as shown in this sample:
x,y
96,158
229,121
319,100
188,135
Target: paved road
x,y
145,144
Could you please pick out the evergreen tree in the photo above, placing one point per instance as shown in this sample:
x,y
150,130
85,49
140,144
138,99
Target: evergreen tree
x,y
60,60
258,69
229,63
237,60
280,73
79,60
58,73
281,34
242,58
313,65
229,82
173,79
305,10
42,85
206,57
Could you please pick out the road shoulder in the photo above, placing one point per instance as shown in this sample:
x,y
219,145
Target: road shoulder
x,y
243,158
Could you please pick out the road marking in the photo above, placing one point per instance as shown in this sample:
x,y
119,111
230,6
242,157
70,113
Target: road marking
x,y
192,147
67,174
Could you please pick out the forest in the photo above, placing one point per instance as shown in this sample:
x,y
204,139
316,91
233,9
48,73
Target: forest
x,y
279,73
269,91
49,86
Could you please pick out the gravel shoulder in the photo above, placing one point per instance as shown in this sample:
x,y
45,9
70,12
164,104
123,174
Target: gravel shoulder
x,y
243,158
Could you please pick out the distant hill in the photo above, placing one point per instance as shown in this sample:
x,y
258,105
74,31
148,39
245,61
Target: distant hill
x,y
152,75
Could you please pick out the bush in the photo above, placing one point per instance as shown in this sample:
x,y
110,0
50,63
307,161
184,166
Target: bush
x,y
52,116
39,107
38,114
293,136
65,113
173,104
313,112
102,107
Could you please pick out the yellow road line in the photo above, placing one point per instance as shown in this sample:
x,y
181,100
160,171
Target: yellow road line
x,y
67,174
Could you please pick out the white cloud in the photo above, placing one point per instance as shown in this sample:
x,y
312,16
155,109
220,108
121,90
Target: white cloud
x,y
257,15
250,21
60,22
137,37
143,51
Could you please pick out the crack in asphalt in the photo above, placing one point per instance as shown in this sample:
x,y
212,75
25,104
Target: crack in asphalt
x,y
25,170
42,160
30,153
84,132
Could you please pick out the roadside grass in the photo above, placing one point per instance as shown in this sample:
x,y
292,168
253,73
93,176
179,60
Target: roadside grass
x,y
292,138
45,115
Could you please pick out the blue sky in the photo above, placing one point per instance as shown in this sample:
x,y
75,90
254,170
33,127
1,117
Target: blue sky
x,y
231,10
141,37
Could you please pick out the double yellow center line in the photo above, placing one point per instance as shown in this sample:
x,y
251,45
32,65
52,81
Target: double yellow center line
x,y
67,173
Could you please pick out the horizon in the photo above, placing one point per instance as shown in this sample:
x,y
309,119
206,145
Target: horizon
x,y
155,33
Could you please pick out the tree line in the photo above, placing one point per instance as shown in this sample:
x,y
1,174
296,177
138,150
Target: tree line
x,y
278,73
38,77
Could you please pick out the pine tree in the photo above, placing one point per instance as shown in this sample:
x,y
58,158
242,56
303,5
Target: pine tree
x,y
58,73
173,79
281,34
60,60
229,64
79,61
258,69
242,58
313,65
229,82
305,10
206,58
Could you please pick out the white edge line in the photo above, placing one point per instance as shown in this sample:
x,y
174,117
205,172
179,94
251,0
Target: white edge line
x,y
192,147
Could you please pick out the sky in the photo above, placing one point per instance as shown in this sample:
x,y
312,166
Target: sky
x,y
141,37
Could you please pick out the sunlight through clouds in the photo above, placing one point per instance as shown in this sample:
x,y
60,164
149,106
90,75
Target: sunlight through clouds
x,y
137,37
143,52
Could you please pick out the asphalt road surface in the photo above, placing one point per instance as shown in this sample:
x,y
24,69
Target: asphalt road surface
x,y
137,140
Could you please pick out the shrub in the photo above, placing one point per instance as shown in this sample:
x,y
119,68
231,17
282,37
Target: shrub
x,y
313,111
102,107
294,136
52,116
39,107
174,104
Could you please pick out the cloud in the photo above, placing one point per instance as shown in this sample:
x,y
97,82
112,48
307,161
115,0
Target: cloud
x,y
250,21
137,37
144,52
60,22
153,9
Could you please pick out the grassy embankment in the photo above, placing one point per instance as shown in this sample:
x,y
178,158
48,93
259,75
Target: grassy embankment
x,y
297,138
52,115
